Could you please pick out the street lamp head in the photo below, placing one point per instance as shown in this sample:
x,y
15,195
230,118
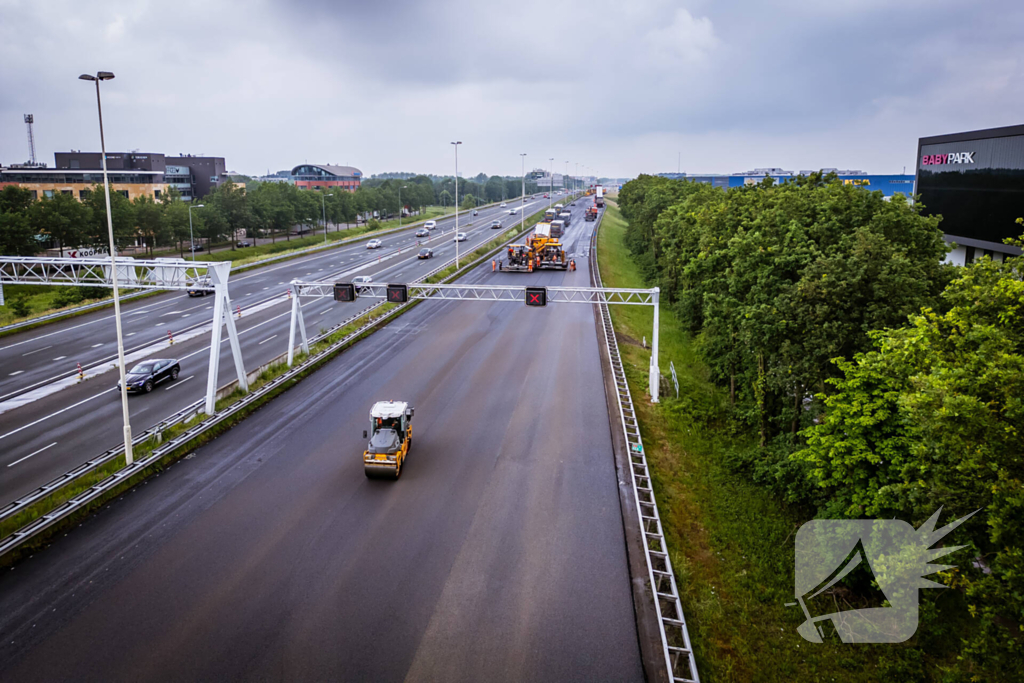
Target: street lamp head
x,y
198,206
457,143
86,77
105,76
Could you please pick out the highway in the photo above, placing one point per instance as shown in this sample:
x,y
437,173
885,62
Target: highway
x,y
47,437
50,435
499,555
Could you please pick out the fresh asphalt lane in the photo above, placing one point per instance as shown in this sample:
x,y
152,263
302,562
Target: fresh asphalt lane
x,y
48,437
38,356
499,554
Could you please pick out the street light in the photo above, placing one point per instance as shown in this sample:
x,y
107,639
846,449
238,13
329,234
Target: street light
x,y
551,181
400,188
191,239
323,205
522,203
106,76
457,203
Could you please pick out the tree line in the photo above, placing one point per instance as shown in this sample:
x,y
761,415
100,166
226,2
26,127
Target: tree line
x,y
875,381
61,221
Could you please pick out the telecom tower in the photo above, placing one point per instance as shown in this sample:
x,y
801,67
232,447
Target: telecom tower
x,y
29,120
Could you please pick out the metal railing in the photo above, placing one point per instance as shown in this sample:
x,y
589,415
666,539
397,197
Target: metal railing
x,y
672,623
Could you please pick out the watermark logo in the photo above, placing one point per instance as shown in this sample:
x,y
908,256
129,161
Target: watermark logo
x,y
897,556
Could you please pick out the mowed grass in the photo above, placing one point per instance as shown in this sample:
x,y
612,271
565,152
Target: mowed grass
x,y
730,542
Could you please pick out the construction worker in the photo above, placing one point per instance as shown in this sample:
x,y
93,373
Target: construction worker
x,y
494,265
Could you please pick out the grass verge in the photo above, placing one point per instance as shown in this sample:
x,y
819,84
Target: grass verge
x,y
730,542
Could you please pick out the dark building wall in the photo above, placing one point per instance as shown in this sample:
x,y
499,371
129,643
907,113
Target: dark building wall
x,y
976,182
139,161
207,172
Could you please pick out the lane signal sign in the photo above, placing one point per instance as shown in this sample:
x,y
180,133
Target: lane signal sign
x,y
398,294
344,291
536,296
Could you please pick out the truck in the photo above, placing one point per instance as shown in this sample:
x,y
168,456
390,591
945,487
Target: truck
x,y
591,214
549,216
599,198
542,251
557,228
390,437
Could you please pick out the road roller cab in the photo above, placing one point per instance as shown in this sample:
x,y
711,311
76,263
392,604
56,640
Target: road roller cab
x,y
390,436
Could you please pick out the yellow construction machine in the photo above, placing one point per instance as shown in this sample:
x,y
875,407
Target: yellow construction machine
x,y
541,252
390,439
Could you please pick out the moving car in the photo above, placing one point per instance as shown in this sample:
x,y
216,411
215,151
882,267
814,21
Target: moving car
x,y
201,286
359,280
512,212
195,247
475,212
495,225
430,225
461,237
374,244
423,232
243,244
426,253
147,374
503,205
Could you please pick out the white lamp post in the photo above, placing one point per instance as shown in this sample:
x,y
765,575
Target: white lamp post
x,y
323,205
457,203
106,76
191,239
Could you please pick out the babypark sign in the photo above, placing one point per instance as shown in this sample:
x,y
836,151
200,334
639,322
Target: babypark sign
x,y
943,159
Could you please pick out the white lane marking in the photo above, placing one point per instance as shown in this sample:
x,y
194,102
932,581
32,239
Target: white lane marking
x,y
38,350
171,313
31,454
96,345
130,334
186,315
179,382
62,410
60,357
17,372
68,329
158,325
266,340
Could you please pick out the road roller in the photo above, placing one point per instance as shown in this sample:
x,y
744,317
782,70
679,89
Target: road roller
x,y
390,436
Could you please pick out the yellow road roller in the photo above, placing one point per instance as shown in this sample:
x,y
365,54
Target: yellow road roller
x,y
390,437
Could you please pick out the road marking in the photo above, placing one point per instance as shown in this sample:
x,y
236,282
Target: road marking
x,y
96,345
17,372
266,340
62,410
171,313
38,350
158,325
130,334
186,315
179,382
60,357
31,454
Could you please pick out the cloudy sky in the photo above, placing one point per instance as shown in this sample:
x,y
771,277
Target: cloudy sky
x,y
618,87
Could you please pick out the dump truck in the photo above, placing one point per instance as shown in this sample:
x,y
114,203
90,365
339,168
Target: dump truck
x,y
599,199
390,437
591,214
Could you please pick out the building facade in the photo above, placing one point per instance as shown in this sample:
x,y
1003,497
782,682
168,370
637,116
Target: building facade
x,y
131,173
975,181
888,185
323,176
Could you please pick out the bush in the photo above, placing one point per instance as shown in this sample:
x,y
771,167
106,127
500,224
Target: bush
x,y
19,306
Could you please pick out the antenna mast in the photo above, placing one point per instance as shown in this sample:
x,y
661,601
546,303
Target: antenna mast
x,y
29,120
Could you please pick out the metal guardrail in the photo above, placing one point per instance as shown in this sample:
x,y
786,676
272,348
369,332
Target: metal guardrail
x,y
672,623
96,491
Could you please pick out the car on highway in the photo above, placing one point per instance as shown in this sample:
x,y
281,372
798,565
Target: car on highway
x,y
475,212
147,374
425,253
495,225
503,205
423,232
461,237
512,212
195,247
430,225
545,197
374,244
243,244
360,280
201,286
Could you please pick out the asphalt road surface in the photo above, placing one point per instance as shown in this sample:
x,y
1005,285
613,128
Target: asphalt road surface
x,y
47,437
499,555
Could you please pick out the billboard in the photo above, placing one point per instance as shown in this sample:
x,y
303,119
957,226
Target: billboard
x,y
975,181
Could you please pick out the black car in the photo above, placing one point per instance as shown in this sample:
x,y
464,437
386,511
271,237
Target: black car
x,y
426,253
195,247
243,244
147,374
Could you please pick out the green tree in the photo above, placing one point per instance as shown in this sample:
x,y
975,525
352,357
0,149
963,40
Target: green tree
x,y
122,217
62,218
17,237
149,217
14,199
